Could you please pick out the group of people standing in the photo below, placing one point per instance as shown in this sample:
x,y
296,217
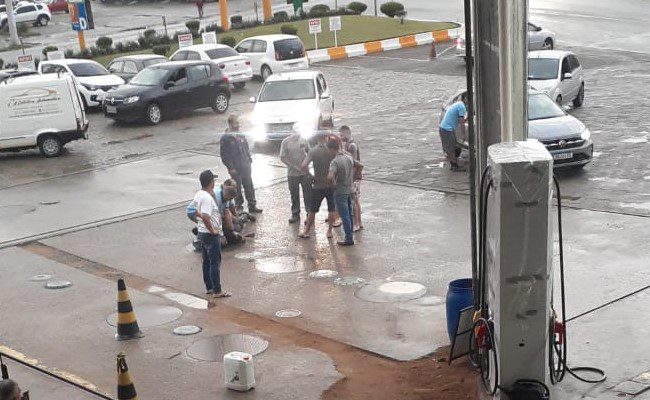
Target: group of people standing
x,y
336,179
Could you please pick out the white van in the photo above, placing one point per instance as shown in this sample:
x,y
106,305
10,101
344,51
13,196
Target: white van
x,y
43,111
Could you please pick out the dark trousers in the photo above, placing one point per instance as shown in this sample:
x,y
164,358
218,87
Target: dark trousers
x,y
243,179
295,182
344,208
211,251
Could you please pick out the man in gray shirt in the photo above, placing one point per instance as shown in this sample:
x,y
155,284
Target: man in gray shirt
x,y
341,176
293,151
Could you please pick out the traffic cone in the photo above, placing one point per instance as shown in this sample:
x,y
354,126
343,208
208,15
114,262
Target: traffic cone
x,y
127,325
125,387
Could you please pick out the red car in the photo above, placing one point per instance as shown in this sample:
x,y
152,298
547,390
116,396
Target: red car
x,y
57,5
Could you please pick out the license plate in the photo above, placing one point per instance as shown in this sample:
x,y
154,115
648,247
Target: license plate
x,y
111,109
562,156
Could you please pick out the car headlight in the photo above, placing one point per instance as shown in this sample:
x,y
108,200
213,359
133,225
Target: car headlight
x,y
585,135
131,99
92,88
305,128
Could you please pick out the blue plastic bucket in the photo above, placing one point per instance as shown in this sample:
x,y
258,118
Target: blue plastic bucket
x,y
459,296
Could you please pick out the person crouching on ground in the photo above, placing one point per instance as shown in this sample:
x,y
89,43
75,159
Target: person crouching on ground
x,y
351,147
224,196
455,117
321,158
209,226
293,151
340,177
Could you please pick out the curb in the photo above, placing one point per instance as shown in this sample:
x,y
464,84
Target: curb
x,y
361,49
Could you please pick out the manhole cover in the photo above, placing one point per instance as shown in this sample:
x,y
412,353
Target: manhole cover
x,y
184,172
148,316
280,265
249,256
349,281
48,202
215,347
41,277
387,292
58,284
186,330
10,211
323,273
290,313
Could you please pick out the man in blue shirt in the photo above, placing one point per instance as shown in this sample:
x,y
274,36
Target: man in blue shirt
x,y
455,117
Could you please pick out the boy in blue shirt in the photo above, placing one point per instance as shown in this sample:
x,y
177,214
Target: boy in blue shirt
x,y
455,117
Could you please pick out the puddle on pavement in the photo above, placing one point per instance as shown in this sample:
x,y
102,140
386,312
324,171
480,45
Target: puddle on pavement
x,y
636,139
290,313
280,265
349,281
184,172
48,202
214,348
188,300
58,284
387,292
40,277
323,274
252,256
16,210
148,316
187,330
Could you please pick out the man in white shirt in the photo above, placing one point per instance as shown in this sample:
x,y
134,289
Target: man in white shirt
x,y
209,224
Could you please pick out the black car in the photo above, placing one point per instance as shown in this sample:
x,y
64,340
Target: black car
x,y
14,73
169,89
128,66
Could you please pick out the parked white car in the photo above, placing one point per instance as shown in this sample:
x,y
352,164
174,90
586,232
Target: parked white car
x,y
93,80
558,74
270,54
237,68
292,101
538,39
43,111
38,14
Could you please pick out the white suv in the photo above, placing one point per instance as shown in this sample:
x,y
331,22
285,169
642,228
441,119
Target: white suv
x,y
558,74
236,67
270,54
38,14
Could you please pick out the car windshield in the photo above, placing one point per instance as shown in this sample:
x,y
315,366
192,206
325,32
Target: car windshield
x,y
299,89
221,53
540,106
542,68
87,69
150,77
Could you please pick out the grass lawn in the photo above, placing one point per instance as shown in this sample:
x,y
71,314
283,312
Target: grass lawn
x,y
354,29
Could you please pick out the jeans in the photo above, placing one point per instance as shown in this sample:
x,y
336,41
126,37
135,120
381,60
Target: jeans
x,y
294,188
211,251
243,178
344,208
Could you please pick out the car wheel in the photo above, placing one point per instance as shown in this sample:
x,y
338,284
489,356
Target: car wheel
x,y
266,72
221,103
50,146
548,44
558,100
42,20
239,85
580,98
154,114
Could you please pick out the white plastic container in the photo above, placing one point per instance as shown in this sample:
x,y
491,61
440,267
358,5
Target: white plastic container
x,y
238,371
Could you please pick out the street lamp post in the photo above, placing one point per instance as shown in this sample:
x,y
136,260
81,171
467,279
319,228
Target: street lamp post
x,y
11,21
375,8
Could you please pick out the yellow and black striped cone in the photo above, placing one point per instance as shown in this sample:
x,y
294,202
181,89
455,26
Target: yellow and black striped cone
x,y
125,387
127,325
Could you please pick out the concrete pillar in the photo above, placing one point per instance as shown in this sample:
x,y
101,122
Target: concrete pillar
x,y
266,8
223,11
11,21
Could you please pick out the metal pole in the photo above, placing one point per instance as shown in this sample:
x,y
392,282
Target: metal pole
x,y
11,21
473,184
82,40
266,9
513,61
375,8
336,42
164,21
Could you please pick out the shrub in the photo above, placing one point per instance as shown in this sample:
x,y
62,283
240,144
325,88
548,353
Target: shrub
x,y
193,26
250,23
95,51
70,53
104,43
119,47
211,28
358,7
85,53
149,33
131,46
143,42
288,29
236,22
228,41
319,10
161,49
164,39
2,63
47,49
391,8
280,16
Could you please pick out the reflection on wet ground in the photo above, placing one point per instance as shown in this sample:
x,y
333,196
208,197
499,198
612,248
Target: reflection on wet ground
x,y
214,348
149,316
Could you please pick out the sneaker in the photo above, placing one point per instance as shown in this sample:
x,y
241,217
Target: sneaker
x,y
294,219
254,210
343,243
